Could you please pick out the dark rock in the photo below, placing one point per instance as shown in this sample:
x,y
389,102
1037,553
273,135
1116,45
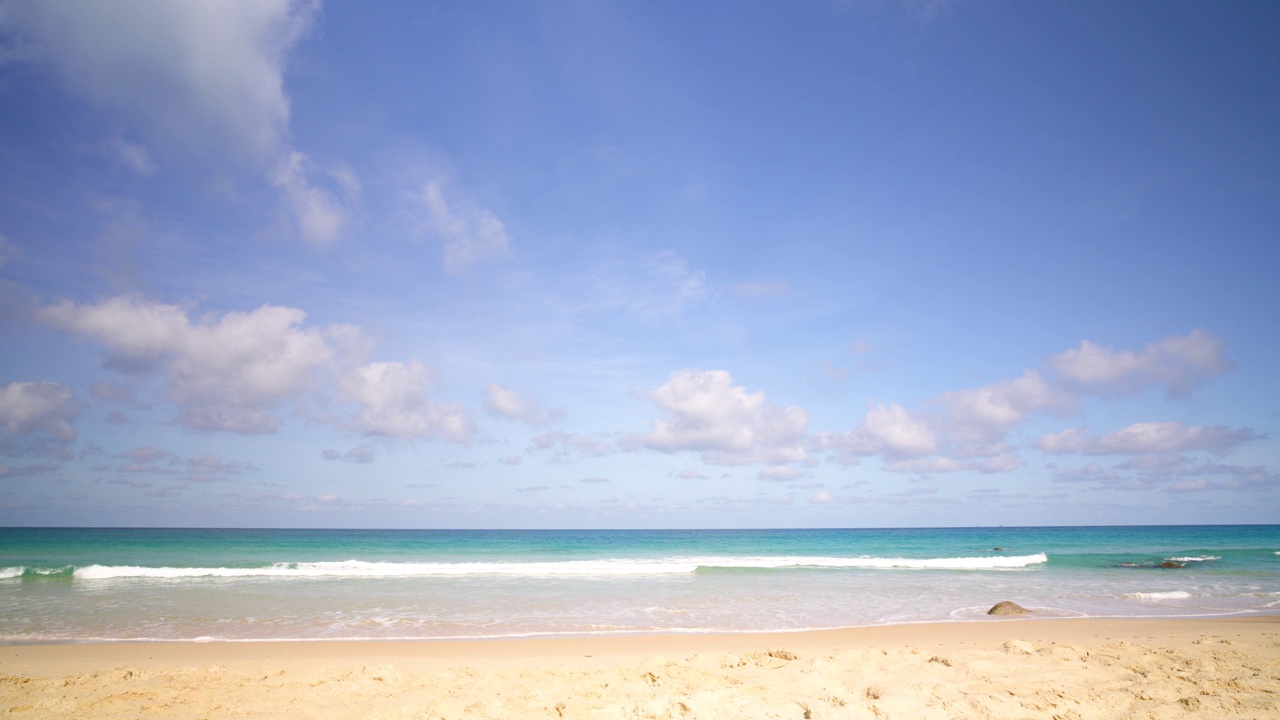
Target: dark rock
x,y
1171,564
1005,607
998,549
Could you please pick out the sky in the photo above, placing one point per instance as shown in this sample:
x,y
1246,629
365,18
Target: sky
x,y
579,264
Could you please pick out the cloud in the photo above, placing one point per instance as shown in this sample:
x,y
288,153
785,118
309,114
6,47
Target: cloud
x,y
594,480
131,156
650,287
987,413
231,372
110,392
45,408
393,401
891,431
506,402
146,454
707,413
319,213
757,289
224,373
362,454
966,430
209,467
470,235
783,473
203,76
1147,438
1179,363
563,444
200,78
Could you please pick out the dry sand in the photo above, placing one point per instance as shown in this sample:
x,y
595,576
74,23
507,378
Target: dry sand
x,y
1013,668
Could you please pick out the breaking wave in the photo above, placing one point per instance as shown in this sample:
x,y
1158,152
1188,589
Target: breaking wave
x,y
609,567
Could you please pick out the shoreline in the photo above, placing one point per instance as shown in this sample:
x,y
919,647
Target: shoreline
x,y
1223,667
603,636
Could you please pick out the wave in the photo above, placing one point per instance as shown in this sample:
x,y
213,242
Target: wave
x,y
17,572
1195,558
609,567
1167,595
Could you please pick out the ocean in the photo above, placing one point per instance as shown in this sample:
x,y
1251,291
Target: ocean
x,y
92,584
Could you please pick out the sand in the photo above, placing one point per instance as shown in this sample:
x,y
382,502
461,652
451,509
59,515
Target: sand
x,y
1015,668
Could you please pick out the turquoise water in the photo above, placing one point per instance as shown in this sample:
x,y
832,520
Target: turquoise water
x,y
80,584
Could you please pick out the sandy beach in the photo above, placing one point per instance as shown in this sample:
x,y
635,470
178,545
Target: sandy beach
x,y
1016,668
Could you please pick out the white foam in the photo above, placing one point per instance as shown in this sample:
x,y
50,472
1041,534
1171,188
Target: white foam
x,y
11,572
1196,558
607,567
1155,596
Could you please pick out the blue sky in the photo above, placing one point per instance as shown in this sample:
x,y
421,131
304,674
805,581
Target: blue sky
x,y
650,264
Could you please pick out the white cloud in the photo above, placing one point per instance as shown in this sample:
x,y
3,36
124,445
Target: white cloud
x,y
506,402
1147,438
783,473
204,76
45,408
318,213
891,431
233,371
393,401
199,78
470,235
987,413
224,373
707,413
1179,363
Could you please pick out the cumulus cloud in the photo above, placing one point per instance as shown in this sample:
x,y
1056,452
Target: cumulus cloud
x,y
891,431
967,430
224,373
232,372
707,413
1179,363
393,401
987,413
470,235
506,402
29,408
1147,438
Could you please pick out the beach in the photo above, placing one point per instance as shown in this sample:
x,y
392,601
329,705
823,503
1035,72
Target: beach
x,y
1014,668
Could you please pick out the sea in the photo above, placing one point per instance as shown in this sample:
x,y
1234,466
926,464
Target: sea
x,y
61,585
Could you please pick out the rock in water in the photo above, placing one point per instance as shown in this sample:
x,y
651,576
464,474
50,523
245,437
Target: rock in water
x,y
1005,607
1171,564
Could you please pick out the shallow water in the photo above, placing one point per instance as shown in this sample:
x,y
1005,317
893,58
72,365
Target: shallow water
x,y
169,584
